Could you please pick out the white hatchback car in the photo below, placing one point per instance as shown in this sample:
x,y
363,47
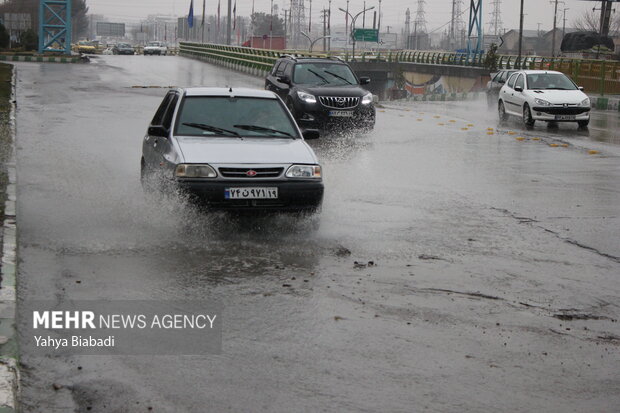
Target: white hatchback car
x,y
543,95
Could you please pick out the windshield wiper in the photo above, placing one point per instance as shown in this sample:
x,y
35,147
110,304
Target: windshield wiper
x,y
213,129
318,75
261,129
337,76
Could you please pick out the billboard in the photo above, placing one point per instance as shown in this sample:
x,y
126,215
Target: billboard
x,y
110,29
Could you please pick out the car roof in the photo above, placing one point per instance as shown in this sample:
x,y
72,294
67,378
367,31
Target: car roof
x,y
533,72
229,91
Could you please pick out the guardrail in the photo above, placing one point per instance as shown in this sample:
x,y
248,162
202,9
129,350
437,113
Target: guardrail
x,y
597,76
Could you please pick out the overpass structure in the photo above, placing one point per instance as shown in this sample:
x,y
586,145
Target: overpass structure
x,y
55,26
420,71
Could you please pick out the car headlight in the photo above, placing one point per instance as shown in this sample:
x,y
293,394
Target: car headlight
x,y
194,171
304,171
542,102
367,99
585,102
306,97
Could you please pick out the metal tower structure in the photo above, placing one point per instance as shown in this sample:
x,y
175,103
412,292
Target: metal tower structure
x,y
475,40
420,17
457,25
55,26
298,22
407,28
496,24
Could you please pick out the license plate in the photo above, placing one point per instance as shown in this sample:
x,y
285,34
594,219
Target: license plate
x,y
565,117
251,193
341,113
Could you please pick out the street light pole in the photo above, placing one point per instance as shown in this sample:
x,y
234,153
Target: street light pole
x,y
555,18
353,18
229,23
520,34
313,42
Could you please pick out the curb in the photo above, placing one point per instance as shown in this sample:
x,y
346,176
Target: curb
x,y
444,97
9,370
603,103
40,59
253,71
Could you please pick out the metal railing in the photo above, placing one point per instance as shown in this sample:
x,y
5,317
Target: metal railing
x,y
596,76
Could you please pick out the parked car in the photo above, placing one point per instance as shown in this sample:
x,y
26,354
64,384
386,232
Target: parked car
x,y
156,48
322,92
543,95
495,84
123,48
86,47
232,149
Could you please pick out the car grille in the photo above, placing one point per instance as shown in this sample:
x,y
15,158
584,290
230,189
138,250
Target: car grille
x,y
337,102
245,172
574,110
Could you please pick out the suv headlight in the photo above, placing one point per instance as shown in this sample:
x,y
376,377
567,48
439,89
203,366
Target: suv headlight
x,y
367,99
585,102
304,171
306,97
194,171
542,102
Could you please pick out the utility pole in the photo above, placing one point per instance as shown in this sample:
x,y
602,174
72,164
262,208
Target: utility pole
x,y
555,12
329,26
564,25
364,16
270,26
203,19
228,23
520,34
310,18
379,21
285,26
324,15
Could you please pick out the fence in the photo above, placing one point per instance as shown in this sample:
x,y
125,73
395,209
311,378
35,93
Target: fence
x,y
596,76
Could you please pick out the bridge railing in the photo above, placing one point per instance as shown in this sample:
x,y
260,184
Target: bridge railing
x,y
596,76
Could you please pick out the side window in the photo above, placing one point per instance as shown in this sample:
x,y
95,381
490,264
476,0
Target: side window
x,y
276,67
497,77
170,112
511,81
503,76
520,82
159,115
282,68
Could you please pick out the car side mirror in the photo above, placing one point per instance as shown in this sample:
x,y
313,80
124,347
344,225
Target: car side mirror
x,y
518,89
581,88
159,130
310,134
284,79
364,80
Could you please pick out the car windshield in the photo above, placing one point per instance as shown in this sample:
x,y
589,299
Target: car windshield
x,y
154,44
233,117
124,45
323,73
85,43
549,81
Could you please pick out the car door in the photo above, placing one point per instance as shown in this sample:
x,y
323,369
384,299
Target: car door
x,y
271,77
149,146
282,88
518,95
507,94
163,146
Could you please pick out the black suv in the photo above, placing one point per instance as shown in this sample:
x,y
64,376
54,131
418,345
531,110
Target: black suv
x,y
322,92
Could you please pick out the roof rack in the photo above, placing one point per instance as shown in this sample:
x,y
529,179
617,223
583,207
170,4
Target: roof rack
x,y
296,57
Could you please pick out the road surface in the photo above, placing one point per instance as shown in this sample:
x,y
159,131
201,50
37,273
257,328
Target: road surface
x,y
493,282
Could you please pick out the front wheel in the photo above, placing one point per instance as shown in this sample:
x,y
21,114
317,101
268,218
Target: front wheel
x,y
583,123
528,120
501,110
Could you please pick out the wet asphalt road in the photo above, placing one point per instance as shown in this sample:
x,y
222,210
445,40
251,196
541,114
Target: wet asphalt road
x,y
495,284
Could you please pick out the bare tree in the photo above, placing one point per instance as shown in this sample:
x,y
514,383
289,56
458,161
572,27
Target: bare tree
x,y
590,22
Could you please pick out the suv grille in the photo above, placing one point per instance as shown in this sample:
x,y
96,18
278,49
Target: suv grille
x,y
339,102
251,172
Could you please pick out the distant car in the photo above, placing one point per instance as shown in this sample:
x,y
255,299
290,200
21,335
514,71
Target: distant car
x,y
322,92
543,95
86,47
156,48
232,149
123,48
495,84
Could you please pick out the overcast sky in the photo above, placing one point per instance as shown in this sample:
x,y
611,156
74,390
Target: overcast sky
x,y
438,12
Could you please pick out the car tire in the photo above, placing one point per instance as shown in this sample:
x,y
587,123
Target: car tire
x,y
528,120
583,123
501,110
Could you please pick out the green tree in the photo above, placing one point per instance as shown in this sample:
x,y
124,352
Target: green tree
x,y
490,59
29,40
4,37
262,23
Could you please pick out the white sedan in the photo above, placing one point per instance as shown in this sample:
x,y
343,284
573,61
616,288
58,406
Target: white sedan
x,y
543,95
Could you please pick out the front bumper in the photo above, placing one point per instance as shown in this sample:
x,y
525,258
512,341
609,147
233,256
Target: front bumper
x,y
551,113
315,115
293,196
